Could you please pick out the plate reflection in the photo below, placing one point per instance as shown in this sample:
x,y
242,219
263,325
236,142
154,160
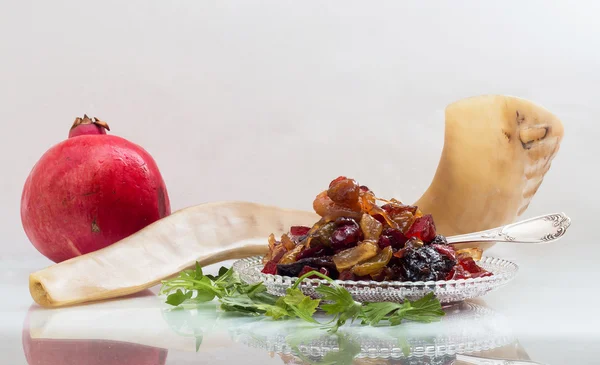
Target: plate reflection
x,y
470,333
142,330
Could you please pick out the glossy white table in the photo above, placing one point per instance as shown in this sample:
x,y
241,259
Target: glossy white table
x,y
526,320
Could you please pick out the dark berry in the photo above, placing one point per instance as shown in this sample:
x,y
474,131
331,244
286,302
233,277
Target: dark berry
x,y
299,230
423,228
439,240
425,264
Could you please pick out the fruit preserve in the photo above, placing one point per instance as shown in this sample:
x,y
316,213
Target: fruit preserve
x,y
362,237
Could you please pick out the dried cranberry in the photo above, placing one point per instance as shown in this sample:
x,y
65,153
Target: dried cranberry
x,y
270,268
299,230
396,238
423,228
364,188
384,241
345,236
445,250
470,265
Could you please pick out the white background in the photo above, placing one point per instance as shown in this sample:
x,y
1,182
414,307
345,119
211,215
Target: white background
x,y
269,100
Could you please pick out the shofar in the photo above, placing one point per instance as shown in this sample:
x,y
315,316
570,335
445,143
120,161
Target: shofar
x,y
496,152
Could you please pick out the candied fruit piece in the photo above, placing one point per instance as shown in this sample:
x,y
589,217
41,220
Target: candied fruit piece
x,y
336,180
327,208
475,253
299,230
278,253
423,228
394,208
272,241
348,258
344,191
291,256
371,228
270,268
287,242
375,263
323,234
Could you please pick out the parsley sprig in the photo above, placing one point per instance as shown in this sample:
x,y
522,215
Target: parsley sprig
x,y
192,287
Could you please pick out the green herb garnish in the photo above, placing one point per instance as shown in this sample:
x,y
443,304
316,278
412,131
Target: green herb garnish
x,y
193,287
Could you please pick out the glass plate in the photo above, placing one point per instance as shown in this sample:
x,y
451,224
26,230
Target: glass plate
x,y
447,291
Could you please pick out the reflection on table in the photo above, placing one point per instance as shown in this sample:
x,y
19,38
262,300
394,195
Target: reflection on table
x,y
141,330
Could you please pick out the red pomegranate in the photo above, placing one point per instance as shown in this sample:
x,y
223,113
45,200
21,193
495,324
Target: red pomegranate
x,y
89,192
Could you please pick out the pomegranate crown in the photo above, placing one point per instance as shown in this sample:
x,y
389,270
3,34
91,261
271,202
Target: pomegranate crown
x,y
87,120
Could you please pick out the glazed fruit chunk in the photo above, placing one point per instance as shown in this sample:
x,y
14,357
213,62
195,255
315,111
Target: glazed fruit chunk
x,y
348,258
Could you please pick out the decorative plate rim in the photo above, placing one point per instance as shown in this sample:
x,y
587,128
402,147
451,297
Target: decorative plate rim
x,y
512,269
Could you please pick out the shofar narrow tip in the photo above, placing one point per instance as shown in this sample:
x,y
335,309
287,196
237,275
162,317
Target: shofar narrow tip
x,y
38,292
